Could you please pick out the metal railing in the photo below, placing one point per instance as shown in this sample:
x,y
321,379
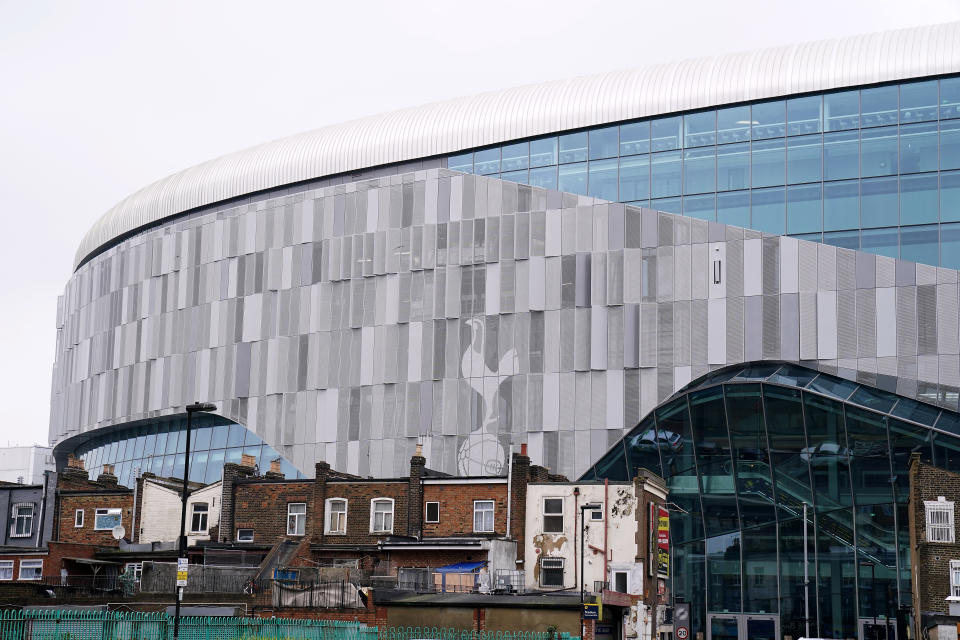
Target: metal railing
x,y
447,633
112,625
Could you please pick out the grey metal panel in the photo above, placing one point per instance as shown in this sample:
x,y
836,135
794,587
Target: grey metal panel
x,y
421,132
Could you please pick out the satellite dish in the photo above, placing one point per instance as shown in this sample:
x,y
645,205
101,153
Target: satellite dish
x,y
118,532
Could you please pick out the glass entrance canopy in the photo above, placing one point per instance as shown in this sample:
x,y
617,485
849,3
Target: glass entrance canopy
x,y
744,448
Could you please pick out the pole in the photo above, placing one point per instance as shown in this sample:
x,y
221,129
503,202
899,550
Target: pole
x,y
806,576
182,540
583,622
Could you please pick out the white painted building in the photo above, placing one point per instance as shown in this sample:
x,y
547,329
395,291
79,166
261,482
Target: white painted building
x,y
160,512
25,465
610,537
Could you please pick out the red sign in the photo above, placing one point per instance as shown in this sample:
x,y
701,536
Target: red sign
x,y
663,542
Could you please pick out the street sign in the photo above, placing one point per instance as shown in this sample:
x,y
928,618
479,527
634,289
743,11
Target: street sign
x,y
682,633
182,568
591,611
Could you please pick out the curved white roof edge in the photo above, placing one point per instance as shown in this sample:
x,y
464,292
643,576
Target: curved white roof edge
x,y
533,110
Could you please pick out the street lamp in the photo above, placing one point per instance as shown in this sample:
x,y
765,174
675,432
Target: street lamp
x,y
587,506
196,407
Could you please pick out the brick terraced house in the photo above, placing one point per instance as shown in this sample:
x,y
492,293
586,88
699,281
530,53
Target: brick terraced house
x,y
425,520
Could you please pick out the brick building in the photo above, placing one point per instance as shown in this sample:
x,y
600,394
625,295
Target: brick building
x,y
934,548
426,519
88,510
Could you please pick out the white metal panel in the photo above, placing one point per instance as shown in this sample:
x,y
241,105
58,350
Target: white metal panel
x,y
520,112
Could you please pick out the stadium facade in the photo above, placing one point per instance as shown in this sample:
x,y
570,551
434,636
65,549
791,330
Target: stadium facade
x,y
551,264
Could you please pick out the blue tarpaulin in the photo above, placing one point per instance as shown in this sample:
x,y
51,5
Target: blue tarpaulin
x,y
461,567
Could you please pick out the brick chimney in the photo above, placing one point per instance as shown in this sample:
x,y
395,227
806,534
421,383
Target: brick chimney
x,y
415,493
74,470
247,460
231,473
275,472
107,477
321,472
520,478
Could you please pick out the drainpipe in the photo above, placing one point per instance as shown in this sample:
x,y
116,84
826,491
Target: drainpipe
x,y
509,488
606,523
576,507
43,505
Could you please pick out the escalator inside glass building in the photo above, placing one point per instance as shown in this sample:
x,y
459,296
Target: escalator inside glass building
x,y
746,452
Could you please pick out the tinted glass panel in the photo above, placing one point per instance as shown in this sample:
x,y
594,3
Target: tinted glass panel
x,y
841,205
803,159
543,152
882,242
918,147
635,138
487,161
462,162
804,115
835,387
751,454
603,179
573,147
734,208
665,176
573,178
841,110
733,167
701,207
768,211
918,101
665,133
841,155
635,178
950,145
804,208
521,177
950,245
699,170
768,163
950,196
844,239
515,156
733,124
699,129
918,198
878,152
769,120
604,143
878,106
545,177
950,98
613,465
916,411
879,202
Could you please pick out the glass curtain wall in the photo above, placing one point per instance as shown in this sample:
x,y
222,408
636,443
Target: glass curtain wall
x,y
743,449
160,448
875,169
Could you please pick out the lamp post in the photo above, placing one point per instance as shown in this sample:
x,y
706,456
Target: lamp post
x,y
196,407
586,506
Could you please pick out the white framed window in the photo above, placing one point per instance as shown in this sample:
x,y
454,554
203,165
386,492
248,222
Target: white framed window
x,y
955,579
106,519
551,572
483,516
553,515
432,513
620,581
78,518
596,514
135,569
296,518
381,515
198,517
6,569
336,518
31,569
244,535
22,520
940,527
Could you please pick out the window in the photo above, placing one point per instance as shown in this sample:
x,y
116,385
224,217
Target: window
x,y
106,519
135,569
620,581
78,518
939,520
31,569
551,572
296,518
336,515
244,535
6,569
22,521
553,515
198,521
954,579
483,516
381,515
432,512
596,514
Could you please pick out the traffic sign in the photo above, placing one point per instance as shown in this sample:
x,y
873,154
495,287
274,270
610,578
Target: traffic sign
x,y
682,633
183,565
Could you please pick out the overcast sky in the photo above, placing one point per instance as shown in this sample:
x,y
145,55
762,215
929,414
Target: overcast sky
x,y
98,99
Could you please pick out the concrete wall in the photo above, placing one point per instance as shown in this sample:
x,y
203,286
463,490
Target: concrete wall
x,y
618,527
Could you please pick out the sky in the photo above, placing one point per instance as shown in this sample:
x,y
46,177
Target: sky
x,y
99,99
